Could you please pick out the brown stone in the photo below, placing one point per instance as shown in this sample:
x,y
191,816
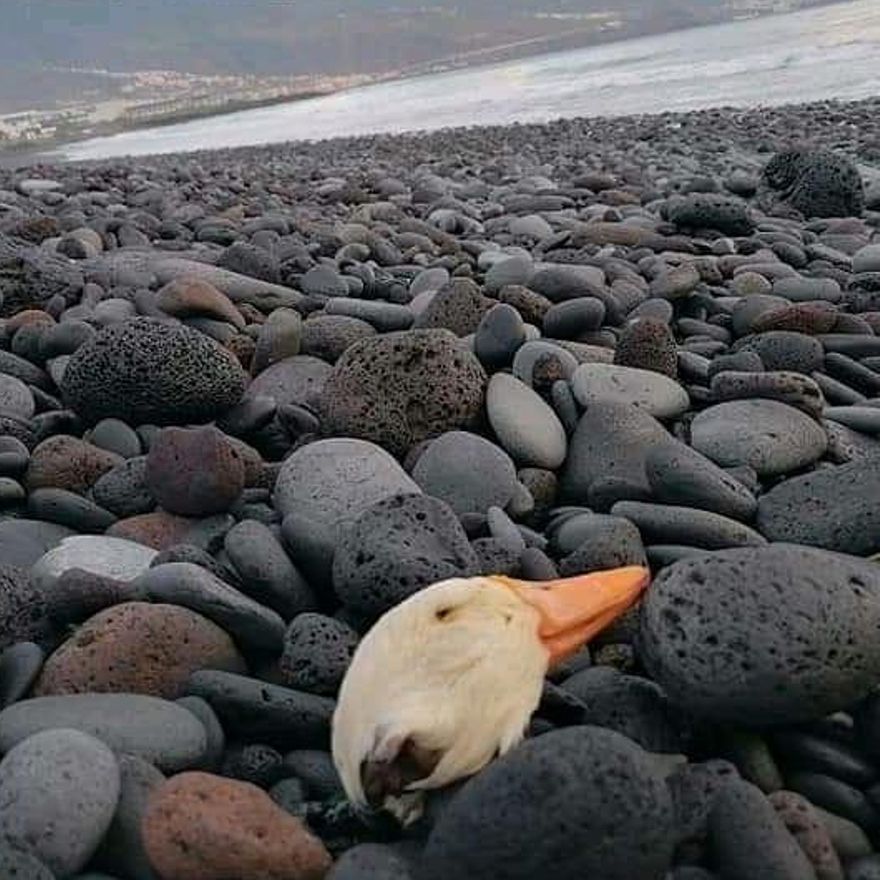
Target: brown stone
x,y
648,344
253,462
811,318
192,297
138,648
159,529
458,306
243,347
27,318
64,462
806,826
203,827
532,306
194,472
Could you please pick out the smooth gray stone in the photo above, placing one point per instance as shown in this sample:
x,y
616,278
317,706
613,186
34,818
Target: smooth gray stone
x,y
23,542
771,437
611,439
20,664
663,524
109,557
253,625
122,849
526,426
679,475
750,840
255,711
58,792
156,730
655,393
865,419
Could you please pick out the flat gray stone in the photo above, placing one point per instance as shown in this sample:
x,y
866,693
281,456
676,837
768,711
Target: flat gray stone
x,y
665,524
239,288
24,541
658,395
771,437
158,731
58,792
110,557
865,419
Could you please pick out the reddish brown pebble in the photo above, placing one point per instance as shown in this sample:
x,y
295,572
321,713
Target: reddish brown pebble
x,y
159,530
804,823
138,648
203,827
64,462
192,297
194,472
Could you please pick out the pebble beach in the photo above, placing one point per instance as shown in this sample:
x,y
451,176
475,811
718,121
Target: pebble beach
x,y
253,399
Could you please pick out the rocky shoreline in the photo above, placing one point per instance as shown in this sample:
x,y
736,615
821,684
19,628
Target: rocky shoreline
x,y
250,400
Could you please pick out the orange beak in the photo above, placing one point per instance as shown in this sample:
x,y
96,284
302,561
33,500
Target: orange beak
x,y
574,610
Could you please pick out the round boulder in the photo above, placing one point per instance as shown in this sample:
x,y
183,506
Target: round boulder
x,y
579,802
148,371
401,388
395,548
194,472
467,472
782,633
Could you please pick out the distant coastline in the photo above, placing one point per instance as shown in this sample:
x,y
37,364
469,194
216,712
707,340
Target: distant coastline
x,y
18,155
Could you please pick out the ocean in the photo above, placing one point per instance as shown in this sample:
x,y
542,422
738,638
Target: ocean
x,y
829,52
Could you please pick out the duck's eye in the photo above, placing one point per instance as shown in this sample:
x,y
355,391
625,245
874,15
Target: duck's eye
x,y
443,613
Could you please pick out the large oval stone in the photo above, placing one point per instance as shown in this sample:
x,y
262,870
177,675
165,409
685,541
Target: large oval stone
x,y
768,635
200,825
770,437
147,371
58,792
581,802
158,731
835,508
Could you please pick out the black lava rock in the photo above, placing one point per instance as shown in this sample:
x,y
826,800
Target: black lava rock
x,y
580,802
763,635
709,211
835,508
317,651
396,547
633,706
145,370
818,183
23,615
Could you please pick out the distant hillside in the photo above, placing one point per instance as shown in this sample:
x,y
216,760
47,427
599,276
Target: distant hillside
x,y
286,37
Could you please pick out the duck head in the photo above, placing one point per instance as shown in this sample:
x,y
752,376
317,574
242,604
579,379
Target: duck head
x,y
449,678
